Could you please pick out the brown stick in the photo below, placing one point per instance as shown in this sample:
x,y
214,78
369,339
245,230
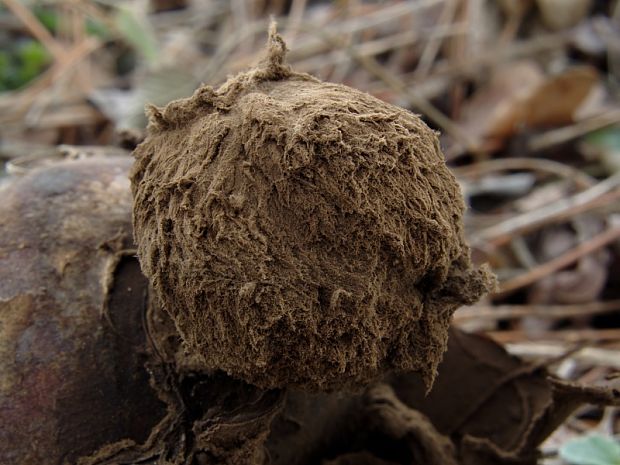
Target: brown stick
x,y
546,350
568,336
566,134
503,312
504,231
560,262
581,179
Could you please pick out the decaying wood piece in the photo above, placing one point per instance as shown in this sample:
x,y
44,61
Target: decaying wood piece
x,y
88,370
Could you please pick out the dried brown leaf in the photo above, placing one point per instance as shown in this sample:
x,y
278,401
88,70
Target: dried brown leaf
x,y
519,96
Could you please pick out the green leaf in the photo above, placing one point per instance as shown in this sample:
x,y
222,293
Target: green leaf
x,y
33,54
605,143
33,57
593,449
6,71
96,28
48,17
137,31
605,138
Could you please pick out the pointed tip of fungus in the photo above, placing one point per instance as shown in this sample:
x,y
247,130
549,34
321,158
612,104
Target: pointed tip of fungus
x,y
272,67
274,64
276,46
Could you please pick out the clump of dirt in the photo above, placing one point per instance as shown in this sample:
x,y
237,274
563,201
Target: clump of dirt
x,y
301,233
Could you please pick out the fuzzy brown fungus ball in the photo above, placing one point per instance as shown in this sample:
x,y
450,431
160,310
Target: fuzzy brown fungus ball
x,y
301,233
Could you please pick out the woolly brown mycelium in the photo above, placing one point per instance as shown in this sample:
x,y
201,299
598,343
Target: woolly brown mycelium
x,y
301,233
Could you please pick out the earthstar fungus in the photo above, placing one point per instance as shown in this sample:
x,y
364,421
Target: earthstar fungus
x,y
301,233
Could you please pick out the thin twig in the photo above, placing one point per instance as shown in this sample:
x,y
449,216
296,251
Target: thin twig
x,y
504,231
432,45
581,179
587,355
241,21
560,262
496,56
566,134
295,17
522,252
565,336
504,312
314,44
375,47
